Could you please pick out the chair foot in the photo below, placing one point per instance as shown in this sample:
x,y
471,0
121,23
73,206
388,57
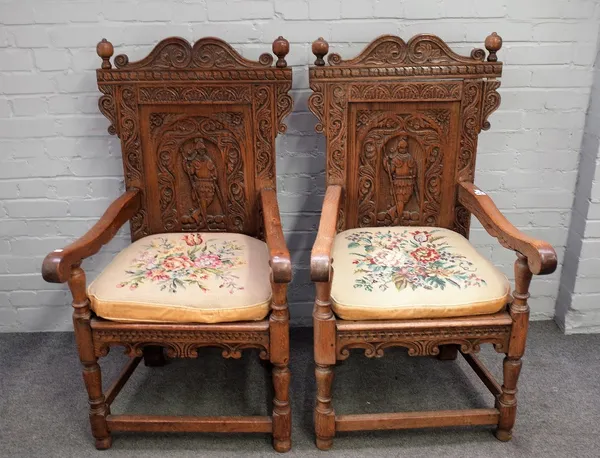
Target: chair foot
x,y
502,435
324,444
282,446
266,364
104,444
448,352
154,356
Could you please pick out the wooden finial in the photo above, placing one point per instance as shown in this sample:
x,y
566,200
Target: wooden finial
x,y
105,51
320,48
493,43
281,47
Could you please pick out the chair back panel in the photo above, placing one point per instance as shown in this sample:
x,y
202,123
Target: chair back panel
x,y
401,122
197,126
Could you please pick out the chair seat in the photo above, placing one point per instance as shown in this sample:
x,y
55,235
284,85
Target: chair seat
x,y
191,277
412,272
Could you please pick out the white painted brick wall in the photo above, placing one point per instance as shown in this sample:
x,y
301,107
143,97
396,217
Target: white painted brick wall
x,y
578,307
60,168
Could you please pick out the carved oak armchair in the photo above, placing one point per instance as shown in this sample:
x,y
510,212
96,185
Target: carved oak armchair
x,y
391,262
197,126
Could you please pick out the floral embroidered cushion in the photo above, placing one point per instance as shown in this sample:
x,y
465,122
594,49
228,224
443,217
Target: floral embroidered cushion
x,y
412,272
190,277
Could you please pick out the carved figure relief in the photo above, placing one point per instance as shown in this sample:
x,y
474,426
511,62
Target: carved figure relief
x,y
400,158
202,173
401,169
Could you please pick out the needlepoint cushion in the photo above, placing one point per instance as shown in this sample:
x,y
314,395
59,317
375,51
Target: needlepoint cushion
x,y
412,272
189,277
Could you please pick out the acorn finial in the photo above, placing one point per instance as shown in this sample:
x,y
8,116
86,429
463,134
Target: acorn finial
x,y
493,43
320,48
105,50
281,47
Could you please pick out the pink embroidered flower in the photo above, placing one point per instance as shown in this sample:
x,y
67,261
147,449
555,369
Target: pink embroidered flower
x,y
193,239
208,260
423,254
177,263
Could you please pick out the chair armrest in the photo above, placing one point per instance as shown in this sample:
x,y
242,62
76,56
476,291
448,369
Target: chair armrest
x,y
541,257
281,264
56,267
320,257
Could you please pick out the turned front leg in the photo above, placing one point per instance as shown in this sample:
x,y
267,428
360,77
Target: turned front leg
x,y
92,376
519,311
324,347
280,350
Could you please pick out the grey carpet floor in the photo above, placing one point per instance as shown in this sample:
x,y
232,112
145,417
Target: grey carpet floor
x,y
43,403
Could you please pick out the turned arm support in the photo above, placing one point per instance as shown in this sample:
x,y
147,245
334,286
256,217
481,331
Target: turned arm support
x,y
58,264
320,257
281,264
541,257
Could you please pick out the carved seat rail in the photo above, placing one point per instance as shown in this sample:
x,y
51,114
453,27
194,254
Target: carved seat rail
x,y
423,337
180,340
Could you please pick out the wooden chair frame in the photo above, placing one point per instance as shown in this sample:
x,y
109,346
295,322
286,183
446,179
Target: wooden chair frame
x,y
175,74
422,70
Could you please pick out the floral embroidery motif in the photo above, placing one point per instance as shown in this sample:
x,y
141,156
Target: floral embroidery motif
x,y
419,259
185,262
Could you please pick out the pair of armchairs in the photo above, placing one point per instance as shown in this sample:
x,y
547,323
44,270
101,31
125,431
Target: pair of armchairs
x,y
209,266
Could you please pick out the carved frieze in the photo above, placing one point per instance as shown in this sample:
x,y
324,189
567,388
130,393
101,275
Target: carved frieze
x,y
180,343
171,94
422,342
266,75
397,92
